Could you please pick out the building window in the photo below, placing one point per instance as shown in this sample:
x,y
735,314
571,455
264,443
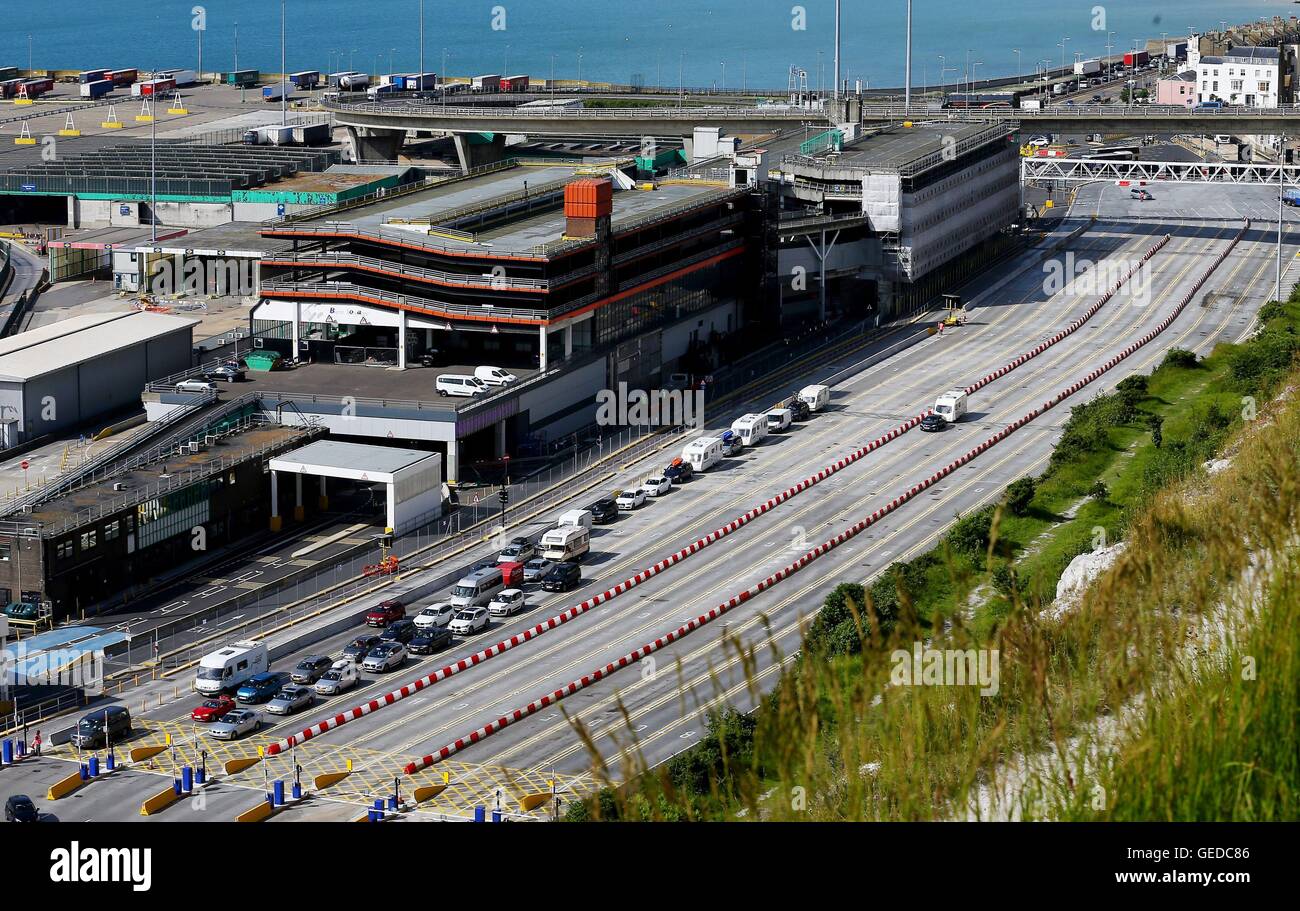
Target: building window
x,y
4,557
88,540
112,530
64,550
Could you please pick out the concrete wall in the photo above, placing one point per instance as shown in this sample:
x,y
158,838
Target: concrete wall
x,y
576,389
677,338
261,211
194,214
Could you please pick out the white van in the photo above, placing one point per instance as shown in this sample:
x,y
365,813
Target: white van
x,y
225,670
779,419
568,542
459,384
477,588
580,518
751,428
494,376
816,397
951,406
703,454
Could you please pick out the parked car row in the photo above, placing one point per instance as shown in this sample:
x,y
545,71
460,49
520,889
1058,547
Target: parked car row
x,y
464,385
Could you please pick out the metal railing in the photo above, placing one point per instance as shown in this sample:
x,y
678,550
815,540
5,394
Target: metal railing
x,y
731,112
439,308
339,260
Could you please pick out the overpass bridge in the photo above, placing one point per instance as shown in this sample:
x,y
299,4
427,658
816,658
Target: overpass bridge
x,y
1081,170
1110,118
377,128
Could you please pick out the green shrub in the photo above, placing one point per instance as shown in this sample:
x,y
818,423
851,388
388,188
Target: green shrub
x,y
1020,493
1179,358
970,533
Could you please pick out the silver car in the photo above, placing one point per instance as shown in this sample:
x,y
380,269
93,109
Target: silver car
x,y
291,699
537,567
385,656
236,724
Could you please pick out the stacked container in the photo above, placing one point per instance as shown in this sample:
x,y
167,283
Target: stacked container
x,y
585,201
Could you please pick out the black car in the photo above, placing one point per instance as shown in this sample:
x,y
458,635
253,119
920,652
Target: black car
x,y
603,511
932,422
360,647
430,358
679,471
430,640
402,631
229,373
799,407
19,808
311,669
562,577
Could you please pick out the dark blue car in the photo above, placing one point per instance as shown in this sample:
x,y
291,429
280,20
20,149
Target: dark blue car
x,y
262,688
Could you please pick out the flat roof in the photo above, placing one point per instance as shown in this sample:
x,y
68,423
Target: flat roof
x,y
350,457
231,239
82,338
900,146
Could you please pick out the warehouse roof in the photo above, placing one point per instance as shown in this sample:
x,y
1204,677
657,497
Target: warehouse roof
x,y
79,339
338,459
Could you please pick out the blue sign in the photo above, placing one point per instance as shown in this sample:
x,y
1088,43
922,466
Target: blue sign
x,y
29,188
124,210
279,208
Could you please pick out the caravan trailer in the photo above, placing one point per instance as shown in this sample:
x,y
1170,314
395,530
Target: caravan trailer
x,y
703,454
751,428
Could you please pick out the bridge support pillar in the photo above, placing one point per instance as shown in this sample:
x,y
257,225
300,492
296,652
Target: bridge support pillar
x,y
375,144
474,154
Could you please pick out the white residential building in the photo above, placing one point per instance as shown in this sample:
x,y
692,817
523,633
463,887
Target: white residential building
x,y
1248,76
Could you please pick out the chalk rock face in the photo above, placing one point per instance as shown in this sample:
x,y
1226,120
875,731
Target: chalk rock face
x,y
1079,574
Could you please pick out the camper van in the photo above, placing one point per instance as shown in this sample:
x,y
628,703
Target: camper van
x,y
225,670
751,428
779,420
816,397
703,454
477,588
568,542
578,517
951,406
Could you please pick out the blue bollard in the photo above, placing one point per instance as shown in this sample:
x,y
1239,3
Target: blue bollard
x,y
176,786
278,786
187,780
7,752
84,770
496,815
379,809
110,761
270,798
200,776
22,748
297,790
392,802
478,815
370,816
93,771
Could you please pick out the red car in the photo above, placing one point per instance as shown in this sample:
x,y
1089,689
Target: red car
x,y
386,613
213,709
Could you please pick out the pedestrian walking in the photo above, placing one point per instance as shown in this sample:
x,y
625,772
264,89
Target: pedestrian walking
x,y
36,744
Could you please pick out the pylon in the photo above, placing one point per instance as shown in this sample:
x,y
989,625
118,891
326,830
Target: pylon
x,y
146,112
177,106
70,128
112,123
26,138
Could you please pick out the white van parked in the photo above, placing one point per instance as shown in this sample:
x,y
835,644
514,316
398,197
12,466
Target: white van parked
x,y
779,419
568,542
459,384
577,517
225,670
494,376
477,588
751,428
951,406
816,397
703,454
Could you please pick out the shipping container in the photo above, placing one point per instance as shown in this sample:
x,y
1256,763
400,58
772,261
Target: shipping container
x,y
980,99
312,135
123,78
275,92
354,82
421,82
276,135
8,72
515,84
96,89
490,83
9,87
243,78
92,76
1087,67
1135,58
383,91
307,79
152,87
38,87
179,77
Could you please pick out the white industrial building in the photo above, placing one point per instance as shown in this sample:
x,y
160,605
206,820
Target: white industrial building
x,y
1248,76
78,369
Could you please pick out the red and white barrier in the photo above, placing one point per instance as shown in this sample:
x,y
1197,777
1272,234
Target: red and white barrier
x,y
699,544
636,655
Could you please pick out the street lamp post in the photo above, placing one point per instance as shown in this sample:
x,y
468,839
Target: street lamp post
x,y
1017,50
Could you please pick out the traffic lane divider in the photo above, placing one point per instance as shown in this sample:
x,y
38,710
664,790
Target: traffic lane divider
x,y
578,610
820,550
